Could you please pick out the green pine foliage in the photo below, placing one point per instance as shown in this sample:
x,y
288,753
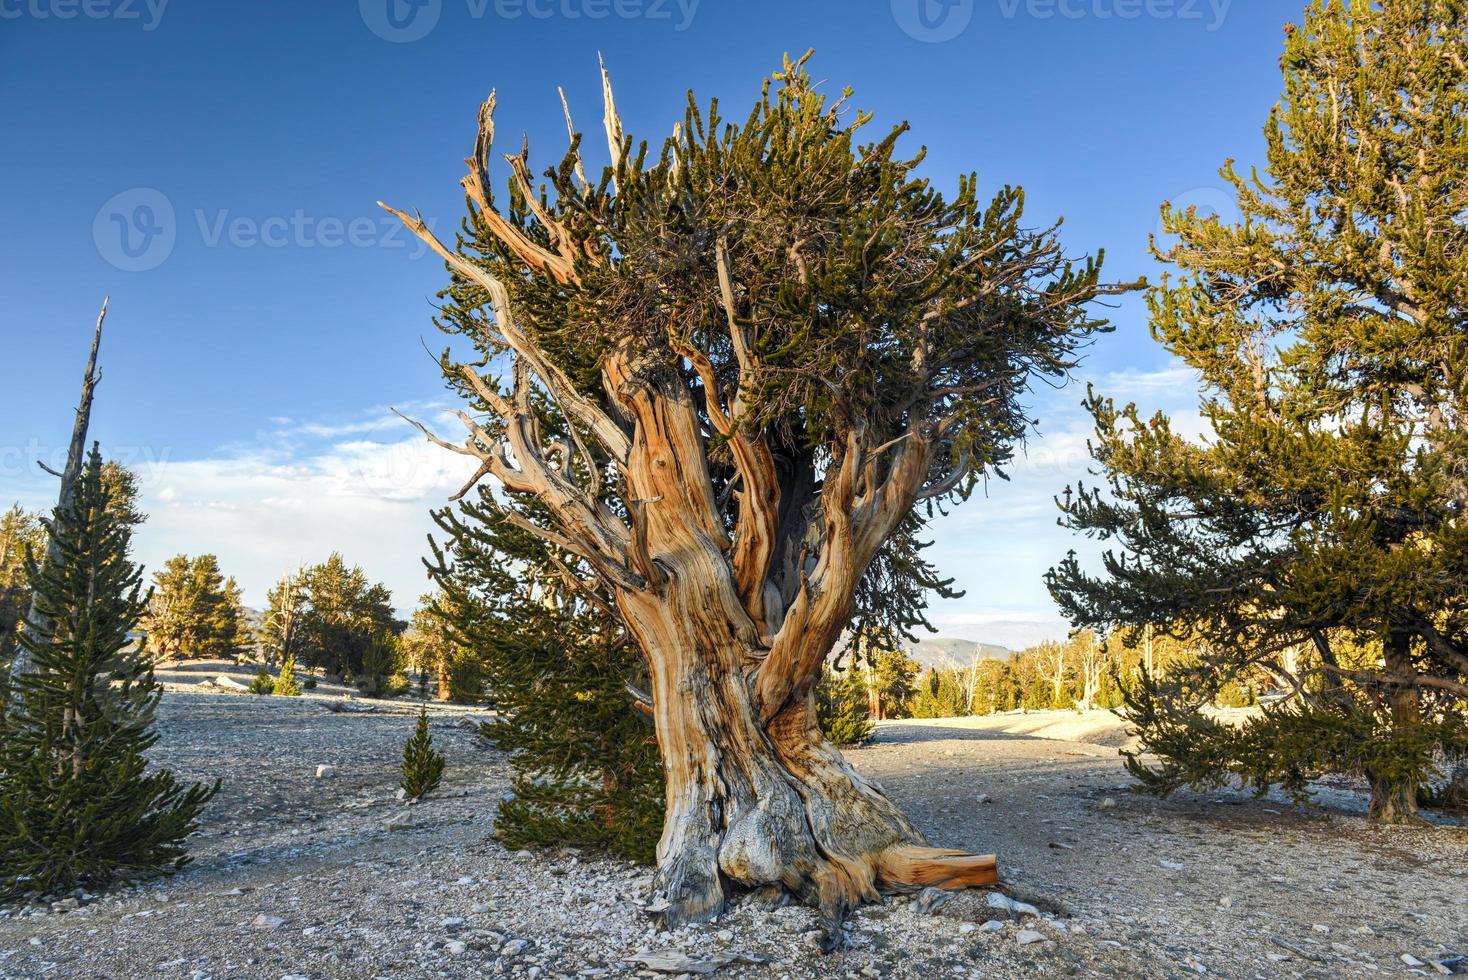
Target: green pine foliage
x,y
422,765
558,667
841,707
331,616
20,530
1318,535
263,682
78,802
286,684
195,611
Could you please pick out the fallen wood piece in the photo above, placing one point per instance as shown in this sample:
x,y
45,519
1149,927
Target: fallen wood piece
x,y
676,961
352,708
1291,947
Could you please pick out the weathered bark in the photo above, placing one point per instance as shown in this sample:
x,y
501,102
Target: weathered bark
x,y
755,794
1394,799
765,803
76,450
735,609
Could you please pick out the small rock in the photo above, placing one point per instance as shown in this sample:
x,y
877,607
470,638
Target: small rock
x,y
1225,902
263,921
967,927
401,794
1276,957
996,900
1106,803
726,935
454,948
325,772
929,899
65,905
1171,865
452,923
514,947
1320,928
993,925
402,821
983,798
1027,936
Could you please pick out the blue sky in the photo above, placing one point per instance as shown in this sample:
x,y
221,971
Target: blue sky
x,y
213,167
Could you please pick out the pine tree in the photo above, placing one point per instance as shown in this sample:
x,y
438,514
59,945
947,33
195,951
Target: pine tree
x,y
422,765
841,707
286,684
78,804
346,619
1319,535
736,375
20,530
285,610
195,611
263,682
566,680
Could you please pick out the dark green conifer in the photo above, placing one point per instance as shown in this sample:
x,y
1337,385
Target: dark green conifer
x,y
1318,536
78,803
559,669
841,707
286,684
263,682
422,764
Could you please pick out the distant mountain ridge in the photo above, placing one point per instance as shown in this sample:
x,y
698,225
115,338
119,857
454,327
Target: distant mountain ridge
x,y
946,651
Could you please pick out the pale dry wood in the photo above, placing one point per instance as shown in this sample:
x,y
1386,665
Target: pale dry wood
x,y
22,663
734,623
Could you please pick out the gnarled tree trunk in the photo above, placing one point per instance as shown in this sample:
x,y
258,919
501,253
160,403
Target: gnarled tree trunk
x,y
759,801
743,525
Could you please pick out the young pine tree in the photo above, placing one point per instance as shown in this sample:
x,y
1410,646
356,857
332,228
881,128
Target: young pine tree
x,y
841,707
559,669
422,764
263,682
286,684
1326,512
78,804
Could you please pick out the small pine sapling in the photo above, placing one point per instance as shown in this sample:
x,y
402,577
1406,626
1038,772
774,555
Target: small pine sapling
x,y
422,765
286,684
263,682
841,707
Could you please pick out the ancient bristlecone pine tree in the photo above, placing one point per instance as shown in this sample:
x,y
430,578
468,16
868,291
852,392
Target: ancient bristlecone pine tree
x,y
726,381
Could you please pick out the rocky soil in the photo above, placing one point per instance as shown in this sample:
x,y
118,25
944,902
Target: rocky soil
x,y
297,875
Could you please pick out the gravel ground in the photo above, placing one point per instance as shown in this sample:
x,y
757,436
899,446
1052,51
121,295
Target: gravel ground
x,y
299,876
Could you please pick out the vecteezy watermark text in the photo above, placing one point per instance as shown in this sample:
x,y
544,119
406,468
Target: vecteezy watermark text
x,y
149,13
943,20
403,21
19,461
1211,12
137,230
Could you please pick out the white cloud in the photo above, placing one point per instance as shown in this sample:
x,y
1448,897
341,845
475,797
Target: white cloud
x,y
364,485
1000,543
263,515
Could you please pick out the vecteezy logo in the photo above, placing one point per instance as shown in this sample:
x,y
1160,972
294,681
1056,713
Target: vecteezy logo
x,y
1208,202
400,21
135,230
933,20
